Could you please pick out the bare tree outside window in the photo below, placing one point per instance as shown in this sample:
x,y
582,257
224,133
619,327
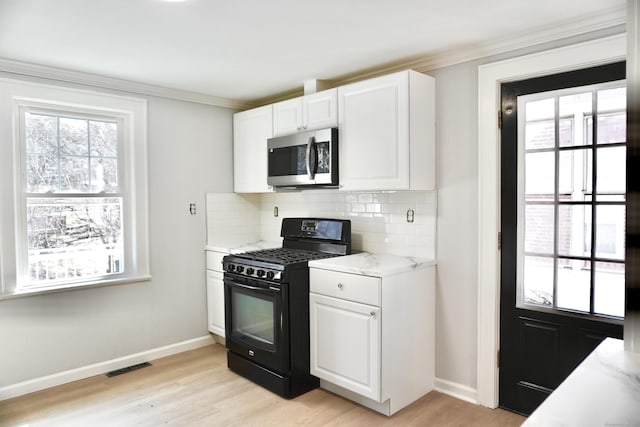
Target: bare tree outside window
x,y
73,198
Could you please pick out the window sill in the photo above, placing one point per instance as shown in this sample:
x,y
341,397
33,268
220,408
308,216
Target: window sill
x,y
11,294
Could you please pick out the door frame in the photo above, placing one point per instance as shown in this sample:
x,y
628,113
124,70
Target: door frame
x,y
490,76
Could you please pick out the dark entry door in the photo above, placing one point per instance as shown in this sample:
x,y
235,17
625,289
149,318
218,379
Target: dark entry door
x,y
562,222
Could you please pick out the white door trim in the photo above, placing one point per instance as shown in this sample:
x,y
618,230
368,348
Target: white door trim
x,y
490,76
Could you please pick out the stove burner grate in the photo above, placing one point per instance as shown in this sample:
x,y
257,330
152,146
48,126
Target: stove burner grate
x,y
284,256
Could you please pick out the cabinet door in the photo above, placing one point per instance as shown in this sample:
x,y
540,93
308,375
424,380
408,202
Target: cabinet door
x,y
320,110
374,134
345,344
287,117
251,129
215,302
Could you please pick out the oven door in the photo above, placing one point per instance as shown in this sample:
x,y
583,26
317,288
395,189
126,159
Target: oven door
x,y
257,321
307,158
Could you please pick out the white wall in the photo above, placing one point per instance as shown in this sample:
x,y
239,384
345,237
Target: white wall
x,y
457,177
190,151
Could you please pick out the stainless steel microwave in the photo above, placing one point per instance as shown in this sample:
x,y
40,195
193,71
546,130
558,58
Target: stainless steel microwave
x,y
304,159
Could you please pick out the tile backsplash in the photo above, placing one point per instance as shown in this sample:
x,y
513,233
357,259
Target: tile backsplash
x,y
401,223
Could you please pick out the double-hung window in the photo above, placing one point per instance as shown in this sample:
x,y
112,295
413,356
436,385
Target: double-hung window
x,y
73,197
79,187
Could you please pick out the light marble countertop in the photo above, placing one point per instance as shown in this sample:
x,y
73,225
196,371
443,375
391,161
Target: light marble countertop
x,y
376,265
604,390
235,247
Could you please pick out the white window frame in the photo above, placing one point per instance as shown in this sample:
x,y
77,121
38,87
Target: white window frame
x,y
16,97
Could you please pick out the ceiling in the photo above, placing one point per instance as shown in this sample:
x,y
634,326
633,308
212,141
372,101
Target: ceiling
x,y
253,49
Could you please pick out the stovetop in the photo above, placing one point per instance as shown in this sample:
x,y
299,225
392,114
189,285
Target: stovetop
x,y
304,240
284,256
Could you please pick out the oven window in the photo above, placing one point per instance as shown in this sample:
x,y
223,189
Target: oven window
x,y
253,317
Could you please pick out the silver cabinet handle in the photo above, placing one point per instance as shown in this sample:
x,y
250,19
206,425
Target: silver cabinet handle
x,y
340,286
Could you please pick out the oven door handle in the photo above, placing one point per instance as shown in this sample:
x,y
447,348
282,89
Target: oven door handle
x,y
258,289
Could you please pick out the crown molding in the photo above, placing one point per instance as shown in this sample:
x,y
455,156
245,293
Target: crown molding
x,y
94,80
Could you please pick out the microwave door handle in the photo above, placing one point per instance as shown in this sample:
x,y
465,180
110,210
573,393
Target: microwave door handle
x,y
310,171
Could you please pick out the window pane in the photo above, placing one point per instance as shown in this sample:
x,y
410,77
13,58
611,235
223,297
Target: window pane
x,y
576,104
104,175
539,173
612,99
611,174
567,134
539,231
573,108
73,137
612,128
610,229
74,174
42,174
104,138
574,279
539,135
566,169
574,230
538,281
41,134
75,238
609,289
540,110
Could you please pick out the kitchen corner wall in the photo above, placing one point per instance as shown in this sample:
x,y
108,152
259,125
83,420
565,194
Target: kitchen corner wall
x,y
378,219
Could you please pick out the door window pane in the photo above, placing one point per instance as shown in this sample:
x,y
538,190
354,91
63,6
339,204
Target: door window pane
x,y
539,173
538,234
612,173
574,284
540,134
540,109
574,225
610,232
538,281
609,289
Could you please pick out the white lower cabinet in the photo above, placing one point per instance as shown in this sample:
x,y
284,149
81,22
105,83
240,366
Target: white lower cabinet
x,y
215,293
345,344
372,339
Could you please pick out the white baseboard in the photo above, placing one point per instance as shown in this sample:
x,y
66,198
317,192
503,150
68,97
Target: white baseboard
x,y
64,377
456,390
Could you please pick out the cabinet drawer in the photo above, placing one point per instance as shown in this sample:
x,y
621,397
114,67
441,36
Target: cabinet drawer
x,y
214,260
352,287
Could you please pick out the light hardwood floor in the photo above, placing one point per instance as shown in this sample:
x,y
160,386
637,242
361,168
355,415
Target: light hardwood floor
x,y
195,388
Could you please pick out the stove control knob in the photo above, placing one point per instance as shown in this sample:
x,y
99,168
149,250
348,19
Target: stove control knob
x,y
270,275
231,267
239,269
250,271
260,273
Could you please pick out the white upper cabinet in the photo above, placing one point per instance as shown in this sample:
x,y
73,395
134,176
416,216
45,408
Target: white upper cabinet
x,y
387,133
309,112
251,129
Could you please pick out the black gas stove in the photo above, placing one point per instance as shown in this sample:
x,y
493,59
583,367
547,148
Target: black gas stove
x,y
267,304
